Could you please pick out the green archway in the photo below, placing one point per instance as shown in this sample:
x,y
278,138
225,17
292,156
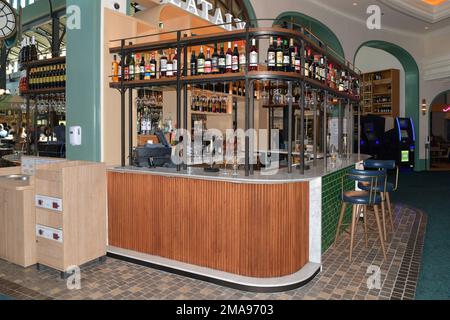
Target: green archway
x,y
324,33
412,85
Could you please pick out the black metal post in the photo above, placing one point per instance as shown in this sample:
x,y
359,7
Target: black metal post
x,y
341,129
302,128
247,109
122,103
325,131
185,98
179,124
36,133
290,114
28,125
130,126
252,125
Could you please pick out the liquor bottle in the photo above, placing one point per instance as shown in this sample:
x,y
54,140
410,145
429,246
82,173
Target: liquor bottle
x,y
215,61
208,62
345,81
243,59
297,61
292,52
286,57
253,57
271,56
341,82
115,70
33,49
193,63
169,65
235,59
317,71
132,67
175,63
229,59
142,68
201,62
163,65
222,60
148,72
153,67
279,56
323,70
330,76
307,65
126,68
26,50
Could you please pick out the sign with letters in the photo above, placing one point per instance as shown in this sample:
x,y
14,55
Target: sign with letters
x,y
226,21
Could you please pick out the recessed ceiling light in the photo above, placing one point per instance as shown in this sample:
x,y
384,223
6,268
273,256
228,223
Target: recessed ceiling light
x,y
426,28
355,3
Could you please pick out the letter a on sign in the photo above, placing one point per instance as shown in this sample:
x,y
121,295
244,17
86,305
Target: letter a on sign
x,y
73,17
374,20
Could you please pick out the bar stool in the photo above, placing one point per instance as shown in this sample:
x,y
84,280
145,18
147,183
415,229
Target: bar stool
x,y
359,199
384,165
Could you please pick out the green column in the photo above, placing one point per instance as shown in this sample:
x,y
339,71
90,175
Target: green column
x,y
83,81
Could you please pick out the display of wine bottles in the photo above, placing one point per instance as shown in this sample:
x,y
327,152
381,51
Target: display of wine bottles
x,y
201,102
28,50
283,55
47,77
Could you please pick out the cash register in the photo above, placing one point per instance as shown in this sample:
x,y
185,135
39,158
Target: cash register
x,y
154,155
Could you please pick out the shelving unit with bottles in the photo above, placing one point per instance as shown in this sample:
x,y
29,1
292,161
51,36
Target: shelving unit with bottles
x,y
311,65
382,93
45,84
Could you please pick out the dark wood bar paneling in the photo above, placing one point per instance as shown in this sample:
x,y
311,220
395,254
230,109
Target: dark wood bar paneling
x,y
255,230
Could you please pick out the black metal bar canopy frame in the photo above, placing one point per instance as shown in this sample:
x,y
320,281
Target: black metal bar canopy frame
x,y
182,42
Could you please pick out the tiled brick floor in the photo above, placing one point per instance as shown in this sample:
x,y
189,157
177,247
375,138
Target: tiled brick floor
x,y
339,279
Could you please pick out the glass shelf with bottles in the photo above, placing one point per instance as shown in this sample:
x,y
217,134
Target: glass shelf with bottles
x,y
230,59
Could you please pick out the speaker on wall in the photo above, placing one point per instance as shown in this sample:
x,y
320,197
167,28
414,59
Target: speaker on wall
x,y
116,5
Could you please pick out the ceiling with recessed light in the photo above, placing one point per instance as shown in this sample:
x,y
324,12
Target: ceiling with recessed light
x,y
416,16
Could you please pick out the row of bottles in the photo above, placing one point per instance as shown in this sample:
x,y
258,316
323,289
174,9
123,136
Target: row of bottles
x,y
211,104
28,50
47,77
282,55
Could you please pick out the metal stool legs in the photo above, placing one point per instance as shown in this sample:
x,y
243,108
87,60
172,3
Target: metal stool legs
x,y
389,205
380,230
355,218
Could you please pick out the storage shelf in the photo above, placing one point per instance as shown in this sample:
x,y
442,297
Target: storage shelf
x,y
39,63
236,36
215,114
45,91
232,77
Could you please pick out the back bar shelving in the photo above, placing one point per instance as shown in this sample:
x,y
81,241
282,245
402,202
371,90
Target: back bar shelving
x,y
182,80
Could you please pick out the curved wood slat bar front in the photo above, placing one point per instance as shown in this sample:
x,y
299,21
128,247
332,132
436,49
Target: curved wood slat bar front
x,y
252,230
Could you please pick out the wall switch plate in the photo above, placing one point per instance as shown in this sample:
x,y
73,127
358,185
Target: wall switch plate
x,y
53,204
49,233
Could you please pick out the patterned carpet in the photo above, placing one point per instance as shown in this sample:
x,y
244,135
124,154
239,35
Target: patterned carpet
x,y
117,279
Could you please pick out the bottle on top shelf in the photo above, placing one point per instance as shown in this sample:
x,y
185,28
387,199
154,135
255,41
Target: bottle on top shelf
x,y
222,60
193,66
215,61
169,72
271,56
279,55
242,59
163,65
229,59
235,59
254,58
201,62
208,62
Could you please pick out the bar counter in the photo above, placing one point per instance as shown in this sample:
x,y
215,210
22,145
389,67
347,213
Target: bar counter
x,y
260,233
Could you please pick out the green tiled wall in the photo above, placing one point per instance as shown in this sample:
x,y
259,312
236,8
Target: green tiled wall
x,y
331,205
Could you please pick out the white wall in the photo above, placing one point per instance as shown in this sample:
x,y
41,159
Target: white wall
x,y
370,60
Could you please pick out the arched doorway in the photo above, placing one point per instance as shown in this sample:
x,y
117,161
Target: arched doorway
x,y
440,132
412,86
316,27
